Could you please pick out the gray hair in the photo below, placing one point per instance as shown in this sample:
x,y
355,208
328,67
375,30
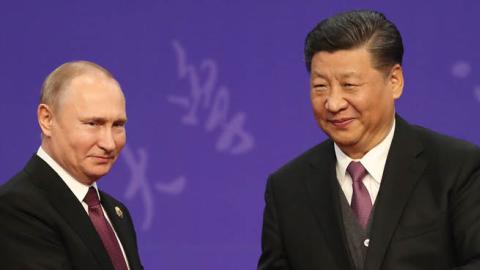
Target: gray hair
x,y
57,81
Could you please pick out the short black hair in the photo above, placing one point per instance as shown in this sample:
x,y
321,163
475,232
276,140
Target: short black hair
x,y
355,29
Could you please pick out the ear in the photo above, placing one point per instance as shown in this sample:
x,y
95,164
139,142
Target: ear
x,y
45,119
395,80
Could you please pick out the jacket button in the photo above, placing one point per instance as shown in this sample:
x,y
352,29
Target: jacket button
x,y
366,242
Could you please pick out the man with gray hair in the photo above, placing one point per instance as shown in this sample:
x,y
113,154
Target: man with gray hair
x,y
379,194
52,215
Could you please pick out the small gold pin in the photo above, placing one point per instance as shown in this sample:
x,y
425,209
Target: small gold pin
x,y
119,212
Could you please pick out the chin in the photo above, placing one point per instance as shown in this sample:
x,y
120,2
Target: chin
x,y
342,140
97,174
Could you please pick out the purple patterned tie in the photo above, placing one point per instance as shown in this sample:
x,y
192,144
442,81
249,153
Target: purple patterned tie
x,y
361,202
104,230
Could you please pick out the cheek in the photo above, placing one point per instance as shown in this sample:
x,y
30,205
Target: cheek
x,y
120,140
363,102
318,106
83,142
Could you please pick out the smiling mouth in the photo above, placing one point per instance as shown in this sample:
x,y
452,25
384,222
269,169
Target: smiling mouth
x,y
341,123
105,158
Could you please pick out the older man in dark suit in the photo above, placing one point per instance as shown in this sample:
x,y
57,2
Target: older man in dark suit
x,y
52,216
379,194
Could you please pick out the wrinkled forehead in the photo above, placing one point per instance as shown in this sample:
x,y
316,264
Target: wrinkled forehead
x,y
93,82
90,85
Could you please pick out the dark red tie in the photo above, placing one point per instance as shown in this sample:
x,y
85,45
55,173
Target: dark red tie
x,y
104,230
361,202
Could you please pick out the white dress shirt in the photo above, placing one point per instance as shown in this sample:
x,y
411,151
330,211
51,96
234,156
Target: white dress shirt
x,y
374,163
78,189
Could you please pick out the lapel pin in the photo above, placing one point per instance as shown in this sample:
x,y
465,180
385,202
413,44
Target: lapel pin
x,y
119,212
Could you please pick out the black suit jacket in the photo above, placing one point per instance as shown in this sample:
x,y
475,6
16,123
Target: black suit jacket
x,y
427,213
44,226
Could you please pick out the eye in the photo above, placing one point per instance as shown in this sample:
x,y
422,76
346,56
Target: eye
x,y
319,87
119,124
94,122
349,85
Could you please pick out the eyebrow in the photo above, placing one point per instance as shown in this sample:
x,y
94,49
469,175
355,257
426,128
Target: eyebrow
x,y
103,120
318,74
348,74
121,120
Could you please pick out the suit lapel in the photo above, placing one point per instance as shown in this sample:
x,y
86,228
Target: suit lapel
x,y
323,188
118,216
402,171
68,206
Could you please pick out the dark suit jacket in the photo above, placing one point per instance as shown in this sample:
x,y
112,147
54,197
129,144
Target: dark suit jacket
x,y
44,226
427,213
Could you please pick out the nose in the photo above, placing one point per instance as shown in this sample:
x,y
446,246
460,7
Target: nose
x,y
335,101
106,140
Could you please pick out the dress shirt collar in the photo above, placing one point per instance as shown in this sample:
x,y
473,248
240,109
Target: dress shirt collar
x,y
373,161
78,189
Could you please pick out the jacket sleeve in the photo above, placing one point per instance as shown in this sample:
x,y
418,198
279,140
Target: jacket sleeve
x,y
28,241
273,256
465,213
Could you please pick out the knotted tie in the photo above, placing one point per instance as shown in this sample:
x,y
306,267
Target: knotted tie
x,y
104,230
361,202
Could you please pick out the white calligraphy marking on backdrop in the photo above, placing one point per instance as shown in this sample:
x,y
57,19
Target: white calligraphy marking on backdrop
x,y
476,92
206,96
461,70
139,183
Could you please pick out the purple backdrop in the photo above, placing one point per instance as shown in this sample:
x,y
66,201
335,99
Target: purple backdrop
x,y
217,98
